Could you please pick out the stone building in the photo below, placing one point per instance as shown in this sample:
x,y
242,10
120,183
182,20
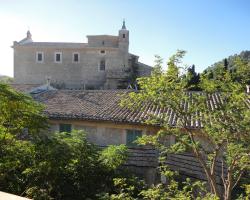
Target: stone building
x,y
99,114
101,63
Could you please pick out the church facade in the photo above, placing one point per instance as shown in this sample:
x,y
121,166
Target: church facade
x,y
101,63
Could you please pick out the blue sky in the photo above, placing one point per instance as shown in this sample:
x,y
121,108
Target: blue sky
x,y
209,30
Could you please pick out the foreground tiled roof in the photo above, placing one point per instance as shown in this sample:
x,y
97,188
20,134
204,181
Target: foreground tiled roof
x,y
91,105
188,166
185,163
104,105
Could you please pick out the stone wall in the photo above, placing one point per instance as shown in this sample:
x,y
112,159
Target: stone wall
x,y
142,161
67,73
103,133
103,40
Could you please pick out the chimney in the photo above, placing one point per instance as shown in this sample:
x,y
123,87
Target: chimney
x,y
48,78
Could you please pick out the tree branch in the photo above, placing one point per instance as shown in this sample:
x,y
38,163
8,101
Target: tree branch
x,y
238,179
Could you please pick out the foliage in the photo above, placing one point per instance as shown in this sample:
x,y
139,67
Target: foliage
x,y
193,79
15,157
113,156
6,79
125,189
43,165
237,65
226,128
19,112
173,191
131,76
58,166
66,166
20,117
133,191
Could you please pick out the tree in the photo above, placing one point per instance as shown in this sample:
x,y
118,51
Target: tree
x,y
234,64
193,79
20,119
66,166
133,189
19,112
225,64
6,79
131,74
44,165
226,128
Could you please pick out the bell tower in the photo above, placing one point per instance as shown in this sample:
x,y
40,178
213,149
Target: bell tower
x,y
124,44
124,38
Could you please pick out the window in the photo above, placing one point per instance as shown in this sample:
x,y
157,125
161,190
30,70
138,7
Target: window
x,y
132,135
103,43
39,57
76,57
123,35
58,57
102,65
65,128
102,51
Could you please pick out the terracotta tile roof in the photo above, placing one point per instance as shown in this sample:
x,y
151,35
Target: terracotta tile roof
x,y
104,105
188,166
90,105
142,157
185,163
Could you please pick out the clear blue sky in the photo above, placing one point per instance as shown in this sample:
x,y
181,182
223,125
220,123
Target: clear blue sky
x,y
209,30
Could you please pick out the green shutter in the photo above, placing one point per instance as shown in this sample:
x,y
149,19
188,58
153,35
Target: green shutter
x,y
132,135
65,128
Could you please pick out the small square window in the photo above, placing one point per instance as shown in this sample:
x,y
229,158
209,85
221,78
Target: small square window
x,y
123,35
76,57
102,65
58,57
39,57
102,51
65,128
132,135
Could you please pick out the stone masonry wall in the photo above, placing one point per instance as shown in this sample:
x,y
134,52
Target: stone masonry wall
x,y
28,71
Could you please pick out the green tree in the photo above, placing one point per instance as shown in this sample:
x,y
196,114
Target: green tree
x,y
133,189
237,65
66,166
226,128
20,117
19,113
193,79
43,165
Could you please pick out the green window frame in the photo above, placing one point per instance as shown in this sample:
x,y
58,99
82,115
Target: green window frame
x,y
65,128
131,136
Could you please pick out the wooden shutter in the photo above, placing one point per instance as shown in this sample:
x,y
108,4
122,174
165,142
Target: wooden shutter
x,y
132,135
65,128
